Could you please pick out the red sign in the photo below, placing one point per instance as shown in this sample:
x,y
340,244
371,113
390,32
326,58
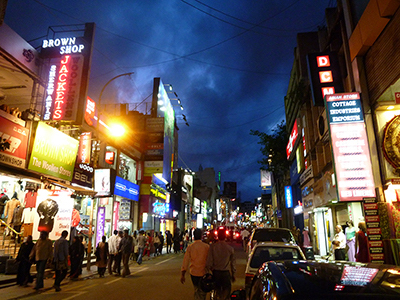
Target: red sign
x,y
110,157
85,148
13,143
292,140
397,96
90,111
68,80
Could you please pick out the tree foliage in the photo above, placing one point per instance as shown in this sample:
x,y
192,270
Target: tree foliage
x,y
274,144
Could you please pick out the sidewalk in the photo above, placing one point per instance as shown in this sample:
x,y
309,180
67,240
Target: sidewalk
x,y
9,289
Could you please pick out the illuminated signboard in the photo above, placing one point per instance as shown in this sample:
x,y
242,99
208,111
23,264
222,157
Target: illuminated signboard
x,y
110,157
53,153
292,140
350,147
288,196
266,179
101,221
157,193
90,111
63,88
160,208
16,137
67,45
85,148
325,77
102,182
126,189
67,64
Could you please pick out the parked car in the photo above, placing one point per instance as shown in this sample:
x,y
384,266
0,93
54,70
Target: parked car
x,y
323,280
270,251
270,235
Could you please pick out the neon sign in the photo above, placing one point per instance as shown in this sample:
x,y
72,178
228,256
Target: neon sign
x,y
61,88
350,147
50,92
292,140
67,45
325,77
288,196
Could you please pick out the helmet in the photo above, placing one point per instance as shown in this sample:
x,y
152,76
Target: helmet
x,y
207,283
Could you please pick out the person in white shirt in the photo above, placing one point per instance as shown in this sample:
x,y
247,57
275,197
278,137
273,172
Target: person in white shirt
x,y
339,243
113,244
245,238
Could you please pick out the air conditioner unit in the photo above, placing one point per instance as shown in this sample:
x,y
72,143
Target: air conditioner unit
x,y
323,127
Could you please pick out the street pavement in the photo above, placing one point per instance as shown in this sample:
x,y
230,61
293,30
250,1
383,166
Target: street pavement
x,y
156,278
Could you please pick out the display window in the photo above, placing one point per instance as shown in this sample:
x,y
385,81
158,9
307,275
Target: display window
x,y
127,168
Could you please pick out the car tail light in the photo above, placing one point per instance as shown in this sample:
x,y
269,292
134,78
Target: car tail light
x,y
227,232
248,279
215,232
237,234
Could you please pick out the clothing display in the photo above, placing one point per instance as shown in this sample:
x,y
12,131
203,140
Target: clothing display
x,y
30,199
9,210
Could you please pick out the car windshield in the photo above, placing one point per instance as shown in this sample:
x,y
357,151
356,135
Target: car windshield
x,y
263,254
272,235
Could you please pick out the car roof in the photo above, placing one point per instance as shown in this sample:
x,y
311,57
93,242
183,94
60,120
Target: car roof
x,y
316,278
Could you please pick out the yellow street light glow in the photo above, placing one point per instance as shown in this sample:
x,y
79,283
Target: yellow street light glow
x,y
117,130
390,107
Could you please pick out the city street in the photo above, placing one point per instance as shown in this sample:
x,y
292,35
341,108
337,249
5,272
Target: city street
x,y
157,278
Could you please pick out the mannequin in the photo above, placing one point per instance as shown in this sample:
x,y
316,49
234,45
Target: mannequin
x,y
9,210
17,221
350,240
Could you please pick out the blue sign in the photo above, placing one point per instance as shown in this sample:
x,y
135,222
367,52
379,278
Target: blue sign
x,y
344,111
126,189
288,196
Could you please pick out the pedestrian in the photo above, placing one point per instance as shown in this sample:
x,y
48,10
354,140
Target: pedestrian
x,y
169,241
361,246
141,243
113,243
24,275
41,253
195,256
135,248
156,242
177,241
339,243
149,242
245,238
350,233
160,247
101,256
126,246
185,241
118,256
76,253
221,262
61,253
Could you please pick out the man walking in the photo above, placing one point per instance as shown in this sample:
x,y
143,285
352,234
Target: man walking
x,y
113,244
61,259
169,241
118,255
141,242
221,262
196,256
245,238
126,247
41,253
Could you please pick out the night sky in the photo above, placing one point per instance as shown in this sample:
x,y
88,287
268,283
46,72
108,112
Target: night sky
x,y
228,61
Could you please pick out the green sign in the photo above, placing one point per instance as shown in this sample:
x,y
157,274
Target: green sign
x,y
53,153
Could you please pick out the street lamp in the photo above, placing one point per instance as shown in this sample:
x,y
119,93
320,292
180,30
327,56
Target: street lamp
x,y
90,233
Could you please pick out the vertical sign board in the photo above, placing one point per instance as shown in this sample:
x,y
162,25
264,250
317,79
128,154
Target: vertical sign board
x,y
288,196
101,220
266,179
68,74
374,232
292,140
325,77
350,147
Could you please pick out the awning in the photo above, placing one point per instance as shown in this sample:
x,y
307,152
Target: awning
x,y
80,191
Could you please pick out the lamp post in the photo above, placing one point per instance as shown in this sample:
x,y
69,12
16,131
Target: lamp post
x,y
90,233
